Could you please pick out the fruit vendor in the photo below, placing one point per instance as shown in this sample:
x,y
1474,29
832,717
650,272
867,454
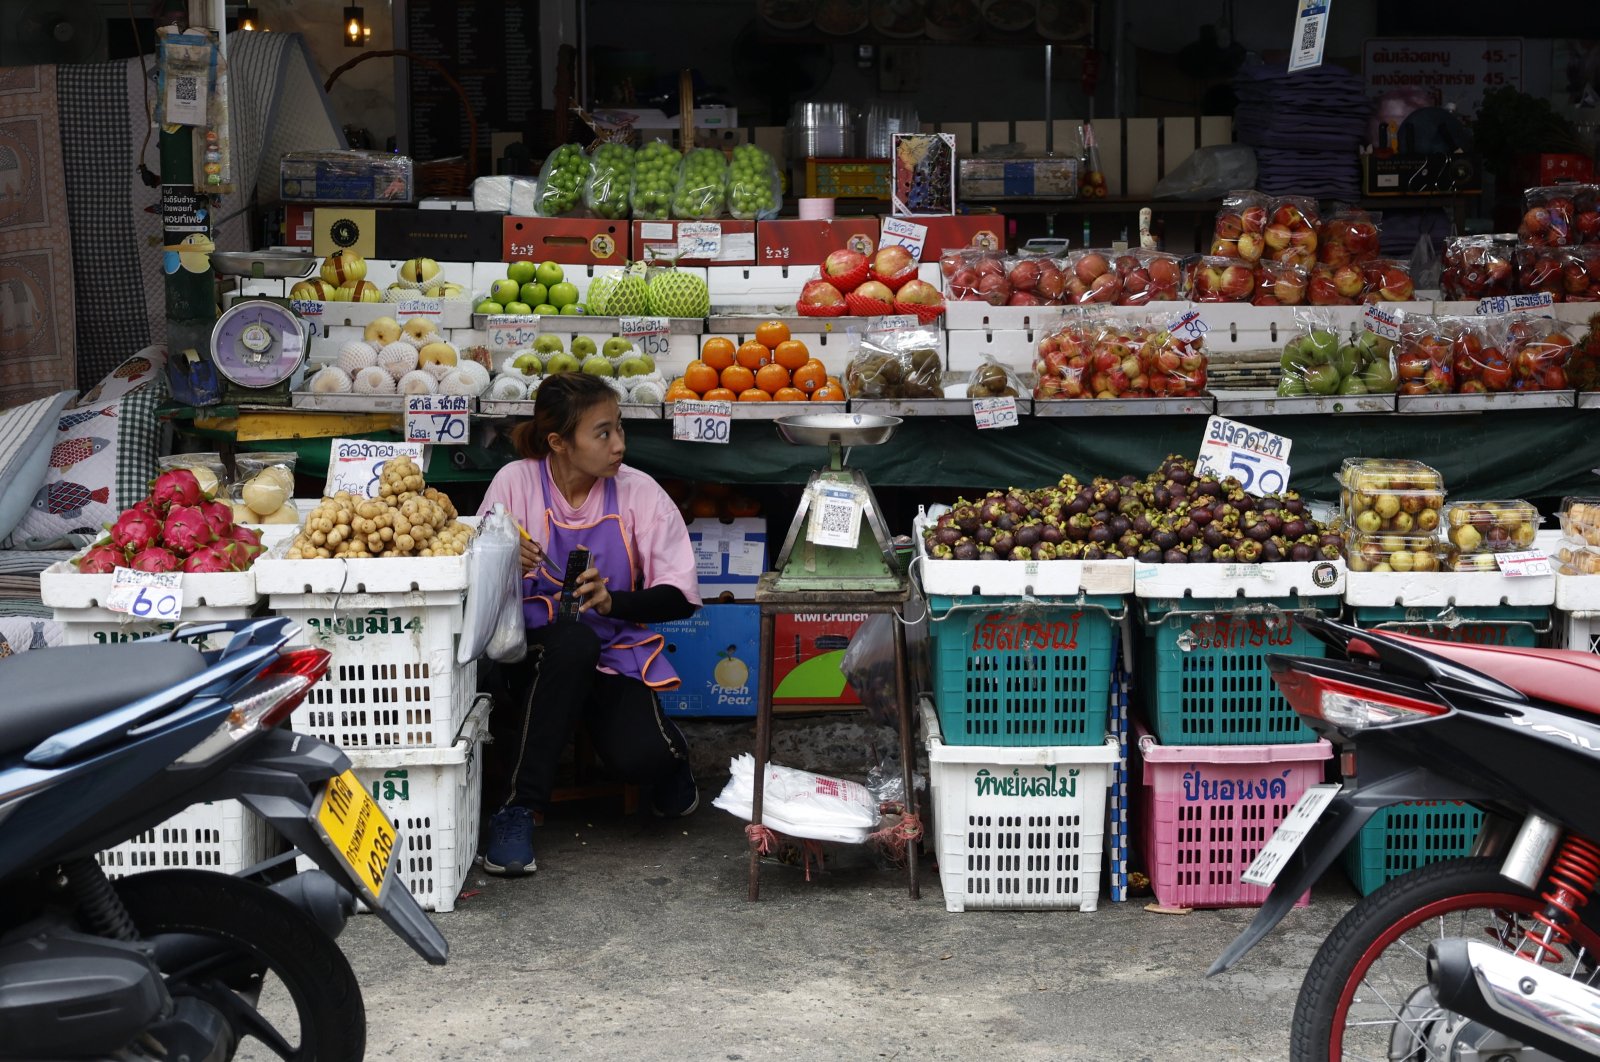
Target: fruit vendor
x,y
570,491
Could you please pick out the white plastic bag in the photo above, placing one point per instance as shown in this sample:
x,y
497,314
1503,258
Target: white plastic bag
x,y
801,804
492,579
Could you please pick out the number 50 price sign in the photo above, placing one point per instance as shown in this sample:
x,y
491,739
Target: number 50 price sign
x,y
1258,459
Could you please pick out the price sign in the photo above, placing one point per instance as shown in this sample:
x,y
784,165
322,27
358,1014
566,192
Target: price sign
x,y
903,233
418,307
632,327
1190,326
307,307
440,419
1310,32
154,596
699,239
1498,304
1258,459
1381,322
892,322
354,465
509,332
706,422
995,412
1523,565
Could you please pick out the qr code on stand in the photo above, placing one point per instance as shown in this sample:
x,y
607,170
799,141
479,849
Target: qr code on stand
x,y
836,519
187,88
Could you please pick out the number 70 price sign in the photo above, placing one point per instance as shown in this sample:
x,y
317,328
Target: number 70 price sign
x,y
1258,459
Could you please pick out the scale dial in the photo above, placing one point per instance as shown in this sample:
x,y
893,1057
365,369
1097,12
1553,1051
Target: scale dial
x,y
258,344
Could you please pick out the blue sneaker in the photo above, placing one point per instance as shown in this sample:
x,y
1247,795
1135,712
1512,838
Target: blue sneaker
x,y
677,797
510,850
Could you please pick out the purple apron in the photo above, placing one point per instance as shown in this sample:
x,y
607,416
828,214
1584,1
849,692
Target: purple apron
x,y
626,648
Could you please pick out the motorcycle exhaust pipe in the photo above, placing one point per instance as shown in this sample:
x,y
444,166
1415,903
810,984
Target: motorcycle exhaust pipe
x,y
1542,1007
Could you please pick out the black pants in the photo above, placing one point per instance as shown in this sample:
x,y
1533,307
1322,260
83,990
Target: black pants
x,y
555,688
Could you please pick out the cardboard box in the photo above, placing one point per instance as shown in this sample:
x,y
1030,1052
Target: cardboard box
x,y
298,224
1421,174
1019,178
729,555
961,230
444,235
806,654
736,242
847,179
716,653
924,180
568,241
1533,171
345,177
795,242
351,228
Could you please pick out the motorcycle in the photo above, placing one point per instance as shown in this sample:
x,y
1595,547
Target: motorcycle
x,y
1491,956
99,743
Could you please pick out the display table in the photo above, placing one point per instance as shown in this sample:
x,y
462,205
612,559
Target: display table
x,y
772,602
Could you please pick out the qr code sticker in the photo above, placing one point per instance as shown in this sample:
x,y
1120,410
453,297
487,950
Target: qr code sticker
x,y
836,517
188,89
1308,38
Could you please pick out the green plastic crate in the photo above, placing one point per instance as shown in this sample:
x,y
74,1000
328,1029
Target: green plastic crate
x,y
1403,837
1519,626
1205,675
1008,672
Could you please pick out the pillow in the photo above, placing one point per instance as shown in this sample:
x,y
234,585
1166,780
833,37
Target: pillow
x,y
25,442
18,634
127,377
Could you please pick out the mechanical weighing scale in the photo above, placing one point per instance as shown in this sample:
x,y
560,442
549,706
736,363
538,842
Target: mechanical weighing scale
x,y
868,565
259,346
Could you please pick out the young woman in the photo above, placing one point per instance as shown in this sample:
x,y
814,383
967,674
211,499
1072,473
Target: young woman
x,y
570,490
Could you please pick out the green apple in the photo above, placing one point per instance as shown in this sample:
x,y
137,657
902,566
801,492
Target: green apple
x,y
583,346
596,365
632,366
504,291
562,362
534,293
649,363
549,274
488,306
545,308
521,309
573,309
550,345
616,347
563,294
527,363
522,271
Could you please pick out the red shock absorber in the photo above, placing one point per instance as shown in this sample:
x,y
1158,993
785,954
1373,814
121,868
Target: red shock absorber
x,y
1572,878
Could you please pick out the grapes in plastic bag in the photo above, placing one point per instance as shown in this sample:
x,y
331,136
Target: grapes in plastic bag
x,y
702,188
754,189
610,186
561,181
655,175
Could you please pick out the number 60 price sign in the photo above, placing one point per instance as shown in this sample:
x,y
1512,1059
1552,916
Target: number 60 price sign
x,y
1258,459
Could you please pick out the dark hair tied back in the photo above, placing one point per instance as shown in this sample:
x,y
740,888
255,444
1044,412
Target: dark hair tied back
x,y
558,406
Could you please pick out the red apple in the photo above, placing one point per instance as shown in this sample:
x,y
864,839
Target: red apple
x,y
892,260
1024,275
1396,285
1251,246
1090,266
1237,283
1052,283
1229,226
1024,298
920,293
873,289
964,282
994,288
846,262
1290,288
1348,281
1254,219
989,264
820,293
1278,236
1164,272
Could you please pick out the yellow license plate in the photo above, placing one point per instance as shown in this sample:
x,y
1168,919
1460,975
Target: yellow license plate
x,y
358,830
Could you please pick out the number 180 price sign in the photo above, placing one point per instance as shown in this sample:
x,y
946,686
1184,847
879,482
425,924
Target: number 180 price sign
x,y
705,422
1258,459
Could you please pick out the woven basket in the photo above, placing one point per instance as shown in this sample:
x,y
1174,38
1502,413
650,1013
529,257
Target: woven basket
x,y
451,177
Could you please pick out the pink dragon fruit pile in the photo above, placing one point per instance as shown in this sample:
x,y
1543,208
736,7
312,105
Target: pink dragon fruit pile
x,y
176,528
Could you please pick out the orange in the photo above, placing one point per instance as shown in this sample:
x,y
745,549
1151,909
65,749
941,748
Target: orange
x,y
791,354
678,391
737,378
828,393
754,394
719,394
771,377
717,353
753,355
699,376
833,381
771,333
810,376
788,394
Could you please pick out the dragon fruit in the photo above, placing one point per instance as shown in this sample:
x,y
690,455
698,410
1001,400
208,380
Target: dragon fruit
x,y
134,530
154,559
219,517
175,486
208,559
186,529
238,555
102,558
249,537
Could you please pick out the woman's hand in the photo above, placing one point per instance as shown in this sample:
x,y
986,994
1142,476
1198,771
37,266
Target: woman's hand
x,y
592,593
532,554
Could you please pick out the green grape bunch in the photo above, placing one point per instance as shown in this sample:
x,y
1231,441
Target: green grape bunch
x,y
610,181
702,185
565,172
655,173
753,190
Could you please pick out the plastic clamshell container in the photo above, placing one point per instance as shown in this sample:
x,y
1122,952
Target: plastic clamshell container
x,y
1580,520
1379,475
1479,527
1383,553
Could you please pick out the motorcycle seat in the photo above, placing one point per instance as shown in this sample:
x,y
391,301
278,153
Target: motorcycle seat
x,y
45,691
1560,676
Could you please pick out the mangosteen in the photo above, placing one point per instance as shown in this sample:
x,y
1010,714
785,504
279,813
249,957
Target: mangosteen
x,y
986,553
1002,541
1069,550
1294,527
1052,532
1179,474
1223,554
1101,535
966,549
1127,481
1093,551
1187,530
1274,520
1141,525
1212,535
1301,552
1201,514
1005,522
1230,483
989,509
1148,554
1200,553
1248,551
945,519
1128,543
1226,511
1161,497
1208,487
1068,482
967,518
1109,495
1271,551
1100,516
1079,526
1175,556
947,535
1021,553
1044,551
1164,538
984,534
940,551
1016,504
1130,506
1327,552
1028,534
1292,501
1119,524
1079,503
1330,538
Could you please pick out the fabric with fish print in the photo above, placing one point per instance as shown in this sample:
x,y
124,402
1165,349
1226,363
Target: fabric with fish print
x,y
66,454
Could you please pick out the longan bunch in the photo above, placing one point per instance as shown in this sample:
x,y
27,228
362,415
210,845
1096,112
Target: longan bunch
x,y
407,519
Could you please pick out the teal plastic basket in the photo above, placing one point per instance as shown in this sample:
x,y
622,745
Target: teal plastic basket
x,y
1403,837
1518,626
1205,675
1009,672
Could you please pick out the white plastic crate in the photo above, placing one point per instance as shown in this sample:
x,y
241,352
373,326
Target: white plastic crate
x,y
1580,631
223,836
1008,852
76,600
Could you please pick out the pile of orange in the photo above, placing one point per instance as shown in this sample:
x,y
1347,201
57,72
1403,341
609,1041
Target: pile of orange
x,y
771,367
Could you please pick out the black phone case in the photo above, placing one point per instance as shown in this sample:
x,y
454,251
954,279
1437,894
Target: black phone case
x,y
577,564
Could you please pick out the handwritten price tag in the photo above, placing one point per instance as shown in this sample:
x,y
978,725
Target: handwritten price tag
x,y
1258,459
699,239
1381,322
354,465
642,326
706,422
1190,326
892,322
146,595
438,419
307,307
995,412
416,307
508,332
1498,304
1526,564
907,234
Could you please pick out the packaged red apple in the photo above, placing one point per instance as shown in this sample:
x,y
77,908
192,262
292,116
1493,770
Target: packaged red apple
x,y
845,269
1243,211
1424,359
1580,274
892,266
1148,276
819,298
1477,267
919,299
1549,214
1143,358
1386,280
1335,285
1213,278
1477,356
902,364
1291,234
1539,271
1348,236
1280,284
1061,363
976,275
1035,280
1091,278
561,182
1539,350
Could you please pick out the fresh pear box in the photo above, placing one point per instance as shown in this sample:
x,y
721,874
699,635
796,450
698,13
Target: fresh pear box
x,y
716,653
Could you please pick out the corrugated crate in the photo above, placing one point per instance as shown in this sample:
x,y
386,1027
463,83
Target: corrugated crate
x,y
1402,837
1016,671
1207,680
224,836
1509,625
1208,810
1018,828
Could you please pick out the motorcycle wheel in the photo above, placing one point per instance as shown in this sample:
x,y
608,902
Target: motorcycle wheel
x,y
272,945
1366,994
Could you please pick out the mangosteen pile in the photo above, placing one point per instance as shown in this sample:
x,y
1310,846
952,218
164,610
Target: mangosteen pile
x,y
1172,516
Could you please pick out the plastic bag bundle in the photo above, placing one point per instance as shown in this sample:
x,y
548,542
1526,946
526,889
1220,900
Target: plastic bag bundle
x,y
1348,236
1320,359
1241,225
1280,284
561,181
1386,280
492,581
799,803
702,187
754,187
655,175
869,667
609,189
903,364
1476,267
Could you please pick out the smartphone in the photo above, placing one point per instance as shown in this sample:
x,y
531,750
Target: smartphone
x,y
577,564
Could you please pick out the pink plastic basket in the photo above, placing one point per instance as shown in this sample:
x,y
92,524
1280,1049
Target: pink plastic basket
x,y
1208,809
